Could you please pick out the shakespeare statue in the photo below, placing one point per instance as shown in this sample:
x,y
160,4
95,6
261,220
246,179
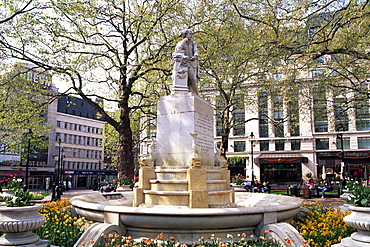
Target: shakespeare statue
x,y
186,65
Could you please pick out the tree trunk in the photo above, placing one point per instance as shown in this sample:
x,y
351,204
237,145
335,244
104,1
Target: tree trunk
x,y
125,161
225,132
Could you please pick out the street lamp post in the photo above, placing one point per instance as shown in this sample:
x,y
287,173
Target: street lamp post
x,y
61,171
252,140
56,192
29,133
342,164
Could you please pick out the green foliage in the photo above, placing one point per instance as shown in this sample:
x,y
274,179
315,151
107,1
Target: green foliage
x,y
23,106
20,197
39,196
124,180
236,160
352,184
239,181
361,196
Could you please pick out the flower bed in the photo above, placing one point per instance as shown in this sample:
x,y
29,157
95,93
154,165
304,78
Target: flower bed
x,y
116,240
60,228
323,226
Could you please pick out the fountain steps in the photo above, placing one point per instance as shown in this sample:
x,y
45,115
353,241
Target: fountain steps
x,y
183,193
178,185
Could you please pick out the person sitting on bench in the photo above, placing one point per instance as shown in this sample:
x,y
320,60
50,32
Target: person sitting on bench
x,y
325,186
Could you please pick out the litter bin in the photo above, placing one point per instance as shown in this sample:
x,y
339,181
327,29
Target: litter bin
x,y
293,190
306,192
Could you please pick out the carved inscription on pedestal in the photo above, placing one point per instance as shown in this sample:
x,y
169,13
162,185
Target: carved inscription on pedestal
x,y
204,139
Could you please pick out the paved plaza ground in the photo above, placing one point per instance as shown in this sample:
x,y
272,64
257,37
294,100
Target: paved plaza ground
x,y
328,202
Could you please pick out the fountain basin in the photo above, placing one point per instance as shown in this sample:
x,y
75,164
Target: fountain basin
x,y
187,225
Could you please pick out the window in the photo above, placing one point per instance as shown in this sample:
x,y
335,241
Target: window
x,y
320,110
362,111
295,144
264,145
239,129
293,111
321,126
294,128
218,127
346,144
363,142
340,108
322,143
59,124
279,130
239,146
279,145
363,124
65,125
263,128
263,115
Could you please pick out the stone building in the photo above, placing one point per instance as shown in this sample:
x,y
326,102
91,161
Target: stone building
x,y
75,151
324,140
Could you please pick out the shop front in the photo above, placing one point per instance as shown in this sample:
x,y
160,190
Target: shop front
x,y
355,164
88,179
281,167
38,177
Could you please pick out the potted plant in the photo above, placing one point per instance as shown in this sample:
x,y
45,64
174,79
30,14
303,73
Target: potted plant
x,y
348,193
359,217
18,218
124,184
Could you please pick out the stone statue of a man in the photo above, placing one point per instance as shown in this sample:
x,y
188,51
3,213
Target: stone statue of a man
x,y
189,49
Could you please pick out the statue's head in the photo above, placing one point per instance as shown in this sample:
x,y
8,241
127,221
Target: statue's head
x,y
186,32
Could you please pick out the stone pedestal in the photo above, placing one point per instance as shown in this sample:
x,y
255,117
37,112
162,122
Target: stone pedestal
x,y
18,224
359,219
145,175
197,187
185,174
180,115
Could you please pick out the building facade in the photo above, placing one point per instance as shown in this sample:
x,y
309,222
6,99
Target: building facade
x,y
78,142
322,140
75,151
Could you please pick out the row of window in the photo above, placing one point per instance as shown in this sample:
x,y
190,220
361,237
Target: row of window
x,y
71,165
321,144
79,127
80,153
362,142
79,140
240,146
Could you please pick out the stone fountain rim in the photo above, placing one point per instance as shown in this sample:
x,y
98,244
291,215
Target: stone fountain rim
x,y
359,209
21,209
80,202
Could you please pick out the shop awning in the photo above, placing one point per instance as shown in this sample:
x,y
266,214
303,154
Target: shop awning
x,y
270,158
